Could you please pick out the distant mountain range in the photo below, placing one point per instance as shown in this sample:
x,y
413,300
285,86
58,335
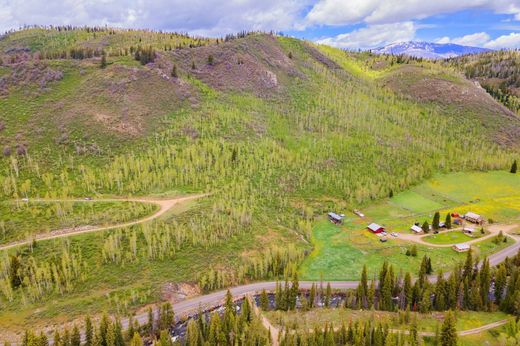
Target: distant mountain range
x,y
428,50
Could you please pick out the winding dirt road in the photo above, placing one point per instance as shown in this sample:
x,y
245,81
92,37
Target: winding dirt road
x,y
492,229
164,206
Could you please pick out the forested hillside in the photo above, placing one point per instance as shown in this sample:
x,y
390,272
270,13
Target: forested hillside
x,y
276,130
498,72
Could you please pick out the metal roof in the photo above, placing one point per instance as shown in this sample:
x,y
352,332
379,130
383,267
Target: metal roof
x,y
374,227
335,216
472,215
462,246
416,228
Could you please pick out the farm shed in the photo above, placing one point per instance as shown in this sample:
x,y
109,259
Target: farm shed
x,y
375,228
416,229
469,230
461,247
335,218
472,217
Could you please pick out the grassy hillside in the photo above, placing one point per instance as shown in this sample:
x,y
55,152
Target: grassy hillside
x,y
277,130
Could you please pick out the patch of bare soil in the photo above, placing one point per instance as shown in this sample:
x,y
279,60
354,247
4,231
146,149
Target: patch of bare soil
x,y
176,292
123,100
27,73
254,64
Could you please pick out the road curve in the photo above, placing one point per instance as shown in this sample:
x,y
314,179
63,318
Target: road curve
x,y
215,298
164,206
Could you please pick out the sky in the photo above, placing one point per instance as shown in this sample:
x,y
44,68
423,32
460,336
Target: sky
x,y
348,24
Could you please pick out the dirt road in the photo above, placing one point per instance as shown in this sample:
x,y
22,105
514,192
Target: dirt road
x,y
164,206
492,229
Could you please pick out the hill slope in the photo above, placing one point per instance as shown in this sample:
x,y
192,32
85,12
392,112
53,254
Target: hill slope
x,y
278,130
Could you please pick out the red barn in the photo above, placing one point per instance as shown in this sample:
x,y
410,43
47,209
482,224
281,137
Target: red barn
x,y
375,228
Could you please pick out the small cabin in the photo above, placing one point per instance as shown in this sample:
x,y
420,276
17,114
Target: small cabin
x,y
468,230
375,228
335,218
475,218
461,247
416,229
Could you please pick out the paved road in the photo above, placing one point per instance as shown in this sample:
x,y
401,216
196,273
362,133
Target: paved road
x,y
216,298
164,206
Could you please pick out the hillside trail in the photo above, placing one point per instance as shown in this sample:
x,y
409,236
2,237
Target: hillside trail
x,y
164,206
492,229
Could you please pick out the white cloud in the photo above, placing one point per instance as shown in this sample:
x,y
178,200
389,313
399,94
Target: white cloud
x,y
342,12
203,17
482,39
505,42
373,36
478,39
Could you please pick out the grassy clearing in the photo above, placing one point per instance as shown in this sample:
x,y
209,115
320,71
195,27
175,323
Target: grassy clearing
x,y
340,252
452,237
21,220
337,316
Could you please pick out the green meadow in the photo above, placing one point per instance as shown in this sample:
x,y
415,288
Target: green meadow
x,y
341,251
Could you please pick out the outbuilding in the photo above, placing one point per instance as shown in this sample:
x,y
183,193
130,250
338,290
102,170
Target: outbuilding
x,y
461,247
472,217
375,228
416,229
335,218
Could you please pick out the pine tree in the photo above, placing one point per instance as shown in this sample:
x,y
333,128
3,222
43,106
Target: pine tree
x,y
103,60
136,340
449,331
294,291
174,71
500,283
328,294
75,339
447,222
165,339
425,227
264,301
436,220
312,296
413,337
167,316
89,331
210,59
513,167
150,324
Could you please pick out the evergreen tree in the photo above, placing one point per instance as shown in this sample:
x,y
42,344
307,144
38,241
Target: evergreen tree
x,y
312,295
514,167
436,220
75,339
328,294
500,283
264,301
150,323
167,316
103,60
425,227
449,331
210,59
89,331
174,71
136,340
413,336
165,339
447,222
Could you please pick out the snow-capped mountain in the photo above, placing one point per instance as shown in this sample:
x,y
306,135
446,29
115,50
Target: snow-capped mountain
x,y
428,50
